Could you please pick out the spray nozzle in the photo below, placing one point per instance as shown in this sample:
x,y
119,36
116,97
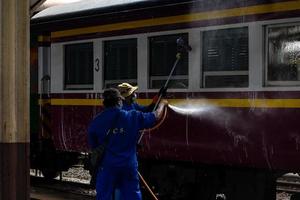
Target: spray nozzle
x,y
182,46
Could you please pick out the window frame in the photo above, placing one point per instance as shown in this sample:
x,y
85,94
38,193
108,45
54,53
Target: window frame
x,y
104,81
204,74
257,59
164,78
66,86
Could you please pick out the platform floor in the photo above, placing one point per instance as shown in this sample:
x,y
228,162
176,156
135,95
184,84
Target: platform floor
x,y
46,194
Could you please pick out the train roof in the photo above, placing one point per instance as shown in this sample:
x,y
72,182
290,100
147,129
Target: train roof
x,y
90,7
93,12
99,12
83,6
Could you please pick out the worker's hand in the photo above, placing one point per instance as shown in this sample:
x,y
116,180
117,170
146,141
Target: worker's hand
x,y
164,102
161,106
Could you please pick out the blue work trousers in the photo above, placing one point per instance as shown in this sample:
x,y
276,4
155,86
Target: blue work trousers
x,y
124,178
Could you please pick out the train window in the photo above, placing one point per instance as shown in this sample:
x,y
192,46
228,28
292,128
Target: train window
x,y
225,58
283,50
78,66
120,62
162,57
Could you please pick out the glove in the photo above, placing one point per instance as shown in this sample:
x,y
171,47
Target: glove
x,y
155,99
162,92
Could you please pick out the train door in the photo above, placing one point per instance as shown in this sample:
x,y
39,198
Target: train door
x,y
44,69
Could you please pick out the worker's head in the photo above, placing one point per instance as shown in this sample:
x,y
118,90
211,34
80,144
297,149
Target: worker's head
x,y
112,98
128,92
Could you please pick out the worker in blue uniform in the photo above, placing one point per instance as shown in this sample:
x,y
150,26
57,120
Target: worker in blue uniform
x,y
119,166
129,103
128,91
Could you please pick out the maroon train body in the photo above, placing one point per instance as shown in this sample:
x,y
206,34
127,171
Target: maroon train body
x,y
245,136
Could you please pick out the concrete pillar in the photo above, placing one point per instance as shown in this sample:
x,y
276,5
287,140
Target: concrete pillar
x,y
14,100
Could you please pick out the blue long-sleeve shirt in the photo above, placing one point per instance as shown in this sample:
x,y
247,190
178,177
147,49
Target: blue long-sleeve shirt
x,y
121,148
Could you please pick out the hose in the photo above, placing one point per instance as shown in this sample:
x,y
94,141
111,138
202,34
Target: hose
x,y
147,186
160,121
154,127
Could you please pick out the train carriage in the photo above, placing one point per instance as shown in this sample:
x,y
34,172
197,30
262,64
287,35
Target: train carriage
x,y
234,100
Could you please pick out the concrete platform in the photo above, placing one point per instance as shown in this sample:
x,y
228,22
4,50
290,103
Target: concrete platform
x,y
47,194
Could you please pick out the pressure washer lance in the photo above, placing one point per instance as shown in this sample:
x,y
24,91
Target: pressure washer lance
x,y
182,47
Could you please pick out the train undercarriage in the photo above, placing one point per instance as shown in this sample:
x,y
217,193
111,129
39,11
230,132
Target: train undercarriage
x,y
173,180
181,181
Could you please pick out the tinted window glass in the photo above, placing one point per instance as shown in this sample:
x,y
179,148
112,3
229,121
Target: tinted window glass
x,y
225,55
120,62
284,54
163,50
79,66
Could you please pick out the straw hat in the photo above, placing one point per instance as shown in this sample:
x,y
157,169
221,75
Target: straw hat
x,y
126,89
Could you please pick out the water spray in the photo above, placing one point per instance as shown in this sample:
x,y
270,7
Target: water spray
x,y
188,109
